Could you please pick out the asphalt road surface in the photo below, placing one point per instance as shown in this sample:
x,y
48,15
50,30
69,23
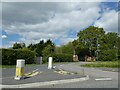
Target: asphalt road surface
x,y
91,83
94,73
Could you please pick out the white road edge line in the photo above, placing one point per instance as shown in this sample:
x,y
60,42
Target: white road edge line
x,y
100,79
38,84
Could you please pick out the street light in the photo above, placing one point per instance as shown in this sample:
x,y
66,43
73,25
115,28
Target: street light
x,y
97,49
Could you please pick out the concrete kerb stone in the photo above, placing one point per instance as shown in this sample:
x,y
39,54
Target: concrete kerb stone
x,y
38,84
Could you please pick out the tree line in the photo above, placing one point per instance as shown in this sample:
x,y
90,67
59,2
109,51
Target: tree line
x,y
42,48
92,41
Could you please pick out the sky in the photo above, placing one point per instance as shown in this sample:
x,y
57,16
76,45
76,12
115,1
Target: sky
x,y
30,22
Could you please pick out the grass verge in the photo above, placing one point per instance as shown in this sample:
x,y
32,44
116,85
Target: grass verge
x,y
13,66
108,64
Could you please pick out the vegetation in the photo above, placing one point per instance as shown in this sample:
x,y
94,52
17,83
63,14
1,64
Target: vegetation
x,y
13,66
108,64
39,47
9,56
18,45
59,58
62,57
108,55
66,49
92,41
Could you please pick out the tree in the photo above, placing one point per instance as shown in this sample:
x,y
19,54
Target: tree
x,y
48,50
68,48
109,47
88,39
94,41
58,49
109,41
18,45
49,42
30,47
40,47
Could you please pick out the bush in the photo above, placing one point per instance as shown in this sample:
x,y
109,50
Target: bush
x,y
9,56
108,55
60,58
44,59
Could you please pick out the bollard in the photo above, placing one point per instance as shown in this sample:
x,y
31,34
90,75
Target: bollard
x,y
50,63
40,60
20,69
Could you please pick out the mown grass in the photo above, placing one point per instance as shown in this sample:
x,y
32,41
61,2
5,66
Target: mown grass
x,y
13,66
108,64
7,66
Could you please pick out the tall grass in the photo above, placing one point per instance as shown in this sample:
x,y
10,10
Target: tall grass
x,y
108,64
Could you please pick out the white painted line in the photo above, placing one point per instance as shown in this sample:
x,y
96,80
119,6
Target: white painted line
x,y
100,79
38,84
35,70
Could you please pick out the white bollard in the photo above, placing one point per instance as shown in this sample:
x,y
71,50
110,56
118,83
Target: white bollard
x,y
20,69
50,63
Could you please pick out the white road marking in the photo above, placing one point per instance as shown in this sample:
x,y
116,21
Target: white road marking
x,y
35,70
102,79
46,83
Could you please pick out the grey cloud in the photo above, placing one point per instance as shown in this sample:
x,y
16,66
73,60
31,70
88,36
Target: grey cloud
x,y
28,13
37,12
35,21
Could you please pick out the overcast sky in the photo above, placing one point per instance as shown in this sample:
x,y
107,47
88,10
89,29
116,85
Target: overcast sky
x,y
30,22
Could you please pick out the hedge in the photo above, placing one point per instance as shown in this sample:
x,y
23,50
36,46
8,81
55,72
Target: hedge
x,y
108,55
59,58
9,56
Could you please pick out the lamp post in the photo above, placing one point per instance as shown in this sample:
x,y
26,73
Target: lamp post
x,y
74,51
97,49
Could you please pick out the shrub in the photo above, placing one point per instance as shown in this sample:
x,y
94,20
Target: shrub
x,y
59,58
9,56
62,57
108,55
44,59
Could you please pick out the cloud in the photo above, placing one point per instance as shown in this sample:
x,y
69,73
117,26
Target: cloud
x,y
52,20
37,21
109,21
4,36
60,0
